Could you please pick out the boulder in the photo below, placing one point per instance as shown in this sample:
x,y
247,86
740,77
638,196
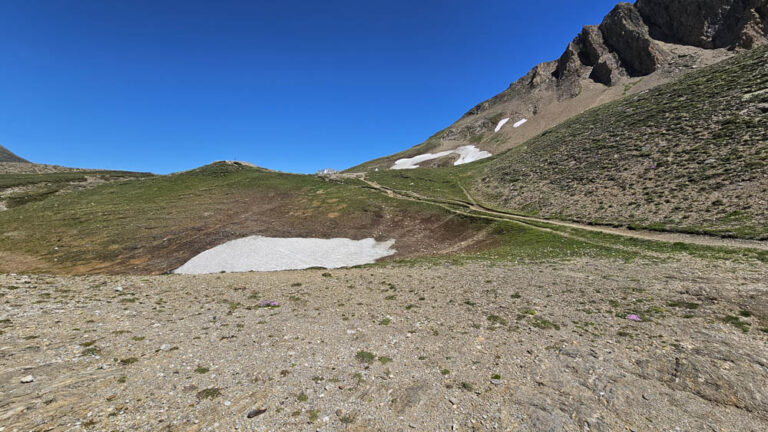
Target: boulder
x,y
626,34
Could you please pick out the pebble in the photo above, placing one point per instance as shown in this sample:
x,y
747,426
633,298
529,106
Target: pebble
x,y
256,412
495,382
119,289
165,347
28,379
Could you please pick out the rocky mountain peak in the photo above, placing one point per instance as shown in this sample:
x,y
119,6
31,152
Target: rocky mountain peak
x,y
626,43
706,23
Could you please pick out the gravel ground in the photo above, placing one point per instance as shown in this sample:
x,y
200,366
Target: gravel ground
x,y
483,346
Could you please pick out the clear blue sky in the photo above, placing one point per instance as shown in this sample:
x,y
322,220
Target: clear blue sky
x,y
167,85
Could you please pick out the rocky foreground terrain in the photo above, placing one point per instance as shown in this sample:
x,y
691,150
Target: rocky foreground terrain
x,y
480,346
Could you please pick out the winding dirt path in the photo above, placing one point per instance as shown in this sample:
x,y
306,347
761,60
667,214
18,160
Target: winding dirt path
x,y
474,206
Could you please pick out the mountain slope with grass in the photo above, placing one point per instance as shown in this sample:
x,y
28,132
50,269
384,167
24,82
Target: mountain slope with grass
x,y
689,156
636,47
155,224
7,156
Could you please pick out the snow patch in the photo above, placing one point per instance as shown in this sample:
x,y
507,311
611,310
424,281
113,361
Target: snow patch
x,y
470,154
258,253
501,124
520,123
466,154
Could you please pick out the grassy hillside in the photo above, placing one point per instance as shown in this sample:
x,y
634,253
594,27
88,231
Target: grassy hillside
x,y
20,189
7,156
156,224
688,156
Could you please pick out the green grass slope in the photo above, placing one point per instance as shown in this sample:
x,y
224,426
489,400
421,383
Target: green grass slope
x,y
689,156
155,224
20,189
7,156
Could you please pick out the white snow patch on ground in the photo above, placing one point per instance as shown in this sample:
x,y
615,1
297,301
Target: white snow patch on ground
x,y
501,124
470,154
258,253
466,154
410,163
520,123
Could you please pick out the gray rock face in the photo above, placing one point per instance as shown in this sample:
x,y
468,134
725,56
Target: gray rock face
x,y
706,23
626,34
625,43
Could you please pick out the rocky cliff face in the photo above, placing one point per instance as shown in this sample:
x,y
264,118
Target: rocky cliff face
x,y
706,23
636,47
627,42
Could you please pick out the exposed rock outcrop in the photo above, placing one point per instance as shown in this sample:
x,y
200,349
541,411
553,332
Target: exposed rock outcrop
x,y
706,23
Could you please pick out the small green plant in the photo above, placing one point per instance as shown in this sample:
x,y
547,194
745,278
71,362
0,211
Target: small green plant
x,y
365,356
684,304
128,361
737,322
544,324
384,360
445,372
209,393
467,386
495,319
312,414
302,397
495,377
202,370
91,351
122,379
385,321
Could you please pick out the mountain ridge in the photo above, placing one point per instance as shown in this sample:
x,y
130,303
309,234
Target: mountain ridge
x,y
7,156
636,47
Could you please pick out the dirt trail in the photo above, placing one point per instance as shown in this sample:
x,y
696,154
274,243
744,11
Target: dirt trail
x,y
473,206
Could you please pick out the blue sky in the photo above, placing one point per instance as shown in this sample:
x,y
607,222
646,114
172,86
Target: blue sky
x,y
168,85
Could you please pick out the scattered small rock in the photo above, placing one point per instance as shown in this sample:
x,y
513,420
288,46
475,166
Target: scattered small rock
x,y
28,379
256,412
